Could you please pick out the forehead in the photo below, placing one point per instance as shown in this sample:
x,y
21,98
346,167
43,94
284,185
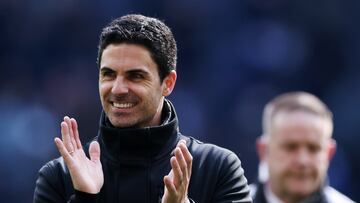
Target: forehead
x,y
299,125
127,56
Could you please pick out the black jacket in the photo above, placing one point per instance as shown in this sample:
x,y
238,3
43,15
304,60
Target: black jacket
x,y
135,161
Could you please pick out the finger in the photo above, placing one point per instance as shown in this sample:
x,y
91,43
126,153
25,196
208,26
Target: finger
x,y
94,151
171,174
182,163
187,156
76,133
169,185
181,141
177,173
66,137
63,151
71,132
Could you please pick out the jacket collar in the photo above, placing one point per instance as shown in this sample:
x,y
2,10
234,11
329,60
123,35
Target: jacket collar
x,y
131,144
316,197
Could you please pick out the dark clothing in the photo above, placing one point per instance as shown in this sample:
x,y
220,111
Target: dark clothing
x,y
326,194
135,161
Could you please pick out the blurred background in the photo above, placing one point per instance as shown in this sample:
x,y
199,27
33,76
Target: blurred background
x,y
233,57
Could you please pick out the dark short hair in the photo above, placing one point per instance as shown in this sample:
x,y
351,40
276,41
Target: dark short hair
x,y
149,32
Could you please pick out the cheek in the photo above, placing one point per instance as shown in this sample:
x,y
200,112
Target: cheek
x,y
321,162
279,155
104,88
279,161
155,92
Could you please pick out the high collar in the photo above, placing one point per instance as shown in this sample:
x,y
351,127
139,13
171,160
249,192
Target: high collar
x,y
263,190
132,144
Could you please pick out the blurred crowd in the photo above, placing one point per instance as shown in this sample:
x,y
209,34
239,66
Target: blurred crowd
x,y
233,57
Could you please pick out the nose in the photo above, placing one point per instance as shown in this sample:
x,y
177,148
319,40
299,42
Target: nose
x,y
119,86
303,156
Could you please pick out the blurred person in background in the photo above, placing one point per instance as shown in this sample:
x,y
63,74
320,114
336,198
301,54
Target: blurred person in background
x,y
139,154
295,150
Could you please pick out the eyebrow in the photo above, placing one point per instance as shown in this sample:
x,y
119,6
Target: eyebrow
x,y
104,69
131,71
137,71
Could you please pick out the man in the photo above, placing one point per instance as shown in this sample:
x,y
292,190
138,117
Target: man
x,y
295,150
139,154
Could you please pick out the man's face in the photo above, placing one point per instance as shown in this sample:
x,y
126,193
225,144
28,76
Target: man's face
x,y
129,85
298,154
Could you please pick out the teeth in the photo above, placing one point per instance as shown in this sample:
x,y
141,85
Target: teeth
x,y
123,105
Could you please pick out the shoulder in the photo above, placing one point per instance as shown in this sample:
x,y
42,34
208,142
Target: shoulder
x,y
257,192
218,171
220,160
199,148
55,173
53,182
253,189
54,167
334,196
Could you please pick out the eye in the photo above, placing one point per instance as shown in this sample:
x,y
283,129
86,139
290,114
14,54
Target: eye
x,y
290,147
314,148
137,75
107,73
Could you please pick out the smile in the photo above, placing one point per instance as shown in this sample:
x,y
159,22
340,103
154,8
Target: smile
x,y
123,105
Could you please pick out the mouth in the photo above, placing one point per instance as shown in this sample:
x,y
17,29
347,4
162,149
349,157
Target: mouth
x,y
125,105
301,176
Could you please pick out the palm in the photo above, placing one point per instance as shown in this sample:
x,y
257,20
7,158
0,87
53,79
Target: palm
x,y
86,174
177,181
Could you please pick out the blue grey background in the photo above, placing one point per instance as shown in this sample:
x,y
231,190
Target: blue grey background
x,y
233,57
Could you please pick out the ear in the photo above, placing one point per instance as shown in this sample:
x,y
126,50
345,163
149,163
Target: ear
x,y
261,147
331,149
169,83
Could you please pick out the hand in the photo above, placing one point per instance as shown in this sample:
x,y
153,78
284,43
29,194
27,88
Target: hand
x,y
177,181
86,174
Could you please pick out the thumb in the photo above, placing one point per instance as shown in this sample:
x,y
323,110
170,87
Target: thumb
x,y
94,151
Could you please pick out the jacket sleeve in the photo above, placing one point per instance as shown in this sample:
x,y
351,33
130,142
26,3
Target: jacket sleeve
x,y
54,186
80,197
47,189
232,185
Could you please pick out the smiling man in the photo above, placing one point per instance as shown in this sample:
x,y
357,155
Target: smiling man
x,y
131,92
139,154
295,151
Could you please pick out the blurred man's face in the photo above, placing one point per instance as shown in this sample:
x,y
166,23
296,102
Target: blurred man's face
x,y
298,154
129,85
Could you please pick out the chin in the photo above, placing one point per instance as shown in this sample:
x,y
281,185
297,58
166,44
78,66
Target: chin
x,y
301,190
302,193
119,123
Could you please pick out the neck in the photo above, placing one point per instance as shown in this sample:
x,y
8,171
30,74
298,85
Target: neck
x,y
140,143
157,118
280,197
